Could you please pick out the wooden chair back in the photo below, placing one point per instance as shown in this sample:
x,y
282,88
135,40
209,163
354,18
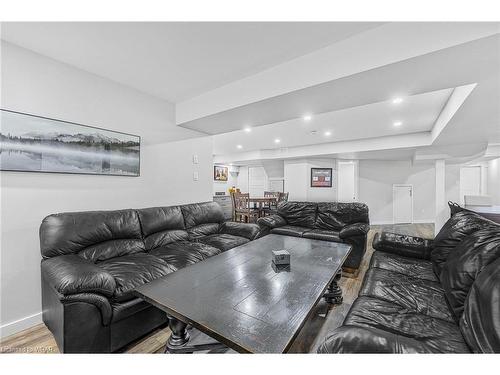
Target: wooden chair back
x,y
242,202
283,197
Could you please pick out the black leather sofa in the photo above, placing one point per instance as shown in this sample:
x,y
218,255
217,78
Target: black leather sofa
x,y
92,262
327,221
428,296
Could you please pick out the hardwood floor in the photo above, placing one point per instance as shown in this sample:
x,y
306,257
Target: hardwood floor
x,y
38,339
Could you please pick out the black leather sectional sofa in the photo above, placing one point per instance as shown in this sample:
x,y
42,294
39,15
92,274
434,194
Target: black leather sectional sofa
x,y
327,221
92,262
428,296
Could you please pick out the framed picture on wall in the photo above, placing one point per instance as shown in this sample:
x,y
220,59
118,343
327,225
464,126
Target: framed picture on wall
x,y
220,173
30,143
321,177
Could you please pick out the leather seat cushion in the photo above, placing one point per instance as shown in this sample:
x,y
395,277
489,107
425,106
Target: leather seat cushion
x,y
223,241
322,234
438,335
130,271
184,253
290,230
416,295
419,268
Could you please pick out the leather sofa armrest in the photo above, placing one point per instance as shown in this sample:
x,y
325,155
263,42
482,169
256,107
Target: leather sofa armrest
x,y
353,339
71,274
271,221
102,303
356,229
247,230
404,245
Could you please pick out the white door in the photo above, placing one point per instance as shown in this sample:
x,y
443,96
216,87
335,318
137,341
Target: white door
x,y
402,203
257,181
347,181
470,182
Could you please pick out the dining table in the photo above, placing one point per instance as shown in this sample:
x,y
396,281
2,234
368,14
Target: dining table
x,y
260,203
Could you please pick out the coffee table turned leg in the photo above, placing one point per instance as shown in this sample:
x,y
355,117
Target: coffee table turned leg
x,y
179,337
180,341
333,295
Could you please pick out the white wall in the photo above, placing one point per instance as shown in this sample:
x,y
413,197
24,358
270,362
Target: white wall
x,y
494,181
34,84
375,188
452,183
297,175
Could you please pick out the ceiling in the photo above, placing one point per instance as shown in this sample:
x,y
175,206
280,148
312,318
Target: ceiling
x,y
473,122
177,60
224,77
417,113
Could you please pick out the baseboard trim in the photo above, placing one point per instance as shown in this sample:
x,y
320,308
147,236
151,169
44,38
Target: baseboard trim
x,y
20,324
391,223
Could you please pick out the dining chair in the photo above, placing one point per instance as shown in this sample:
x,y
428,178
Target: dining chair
x,y
270,207
242,210
282,197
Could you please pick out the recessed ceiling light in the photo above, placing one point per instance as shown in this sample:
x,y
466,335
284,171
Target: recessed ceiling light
x,y
307,117
277,140
328,133
398,123
248,129
397,100
239,146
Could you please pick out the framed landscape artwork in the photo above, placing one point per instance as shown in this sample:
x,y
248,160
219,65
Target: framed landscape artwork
x,y
220,173
321,177
31,143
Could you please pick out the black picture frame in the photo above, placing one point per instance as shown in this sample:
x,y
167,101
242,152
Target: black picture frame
x,y
132,146
221,173
324,177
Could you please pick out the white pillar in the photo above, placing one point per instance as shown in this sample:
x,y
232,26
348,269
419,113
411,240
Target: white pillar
x,y
441,209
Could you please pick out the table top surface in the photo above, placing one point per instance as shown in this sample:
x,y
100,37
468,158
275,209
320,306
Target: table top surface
x,y
238,298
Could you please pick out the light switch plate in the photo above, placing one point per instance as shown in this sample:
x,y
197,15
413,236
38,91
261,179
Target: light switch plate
x,y
195,176
195,159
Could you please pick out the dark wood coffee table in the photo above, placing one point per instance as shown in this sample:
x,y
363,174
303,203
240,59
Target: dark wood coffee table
x,y
239,299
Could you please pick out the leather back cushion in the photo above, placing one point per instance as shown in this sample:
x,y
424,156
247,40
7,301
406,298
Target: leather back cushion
x,y
480,322
300,214
202,213
469,258
111,249
74,232
336,215
459,226
162,225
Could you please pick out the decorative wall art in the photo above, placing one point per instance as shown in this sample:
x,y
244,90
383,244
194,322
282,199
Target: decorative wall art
x,y
220,173
31,143
321,177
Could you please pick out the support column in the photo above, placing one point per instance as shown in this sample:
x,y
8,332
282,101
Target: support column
x,y
441,209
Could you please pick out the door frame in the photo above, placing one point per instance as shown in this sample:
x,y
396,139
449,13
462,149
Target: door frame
x,y
393,200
